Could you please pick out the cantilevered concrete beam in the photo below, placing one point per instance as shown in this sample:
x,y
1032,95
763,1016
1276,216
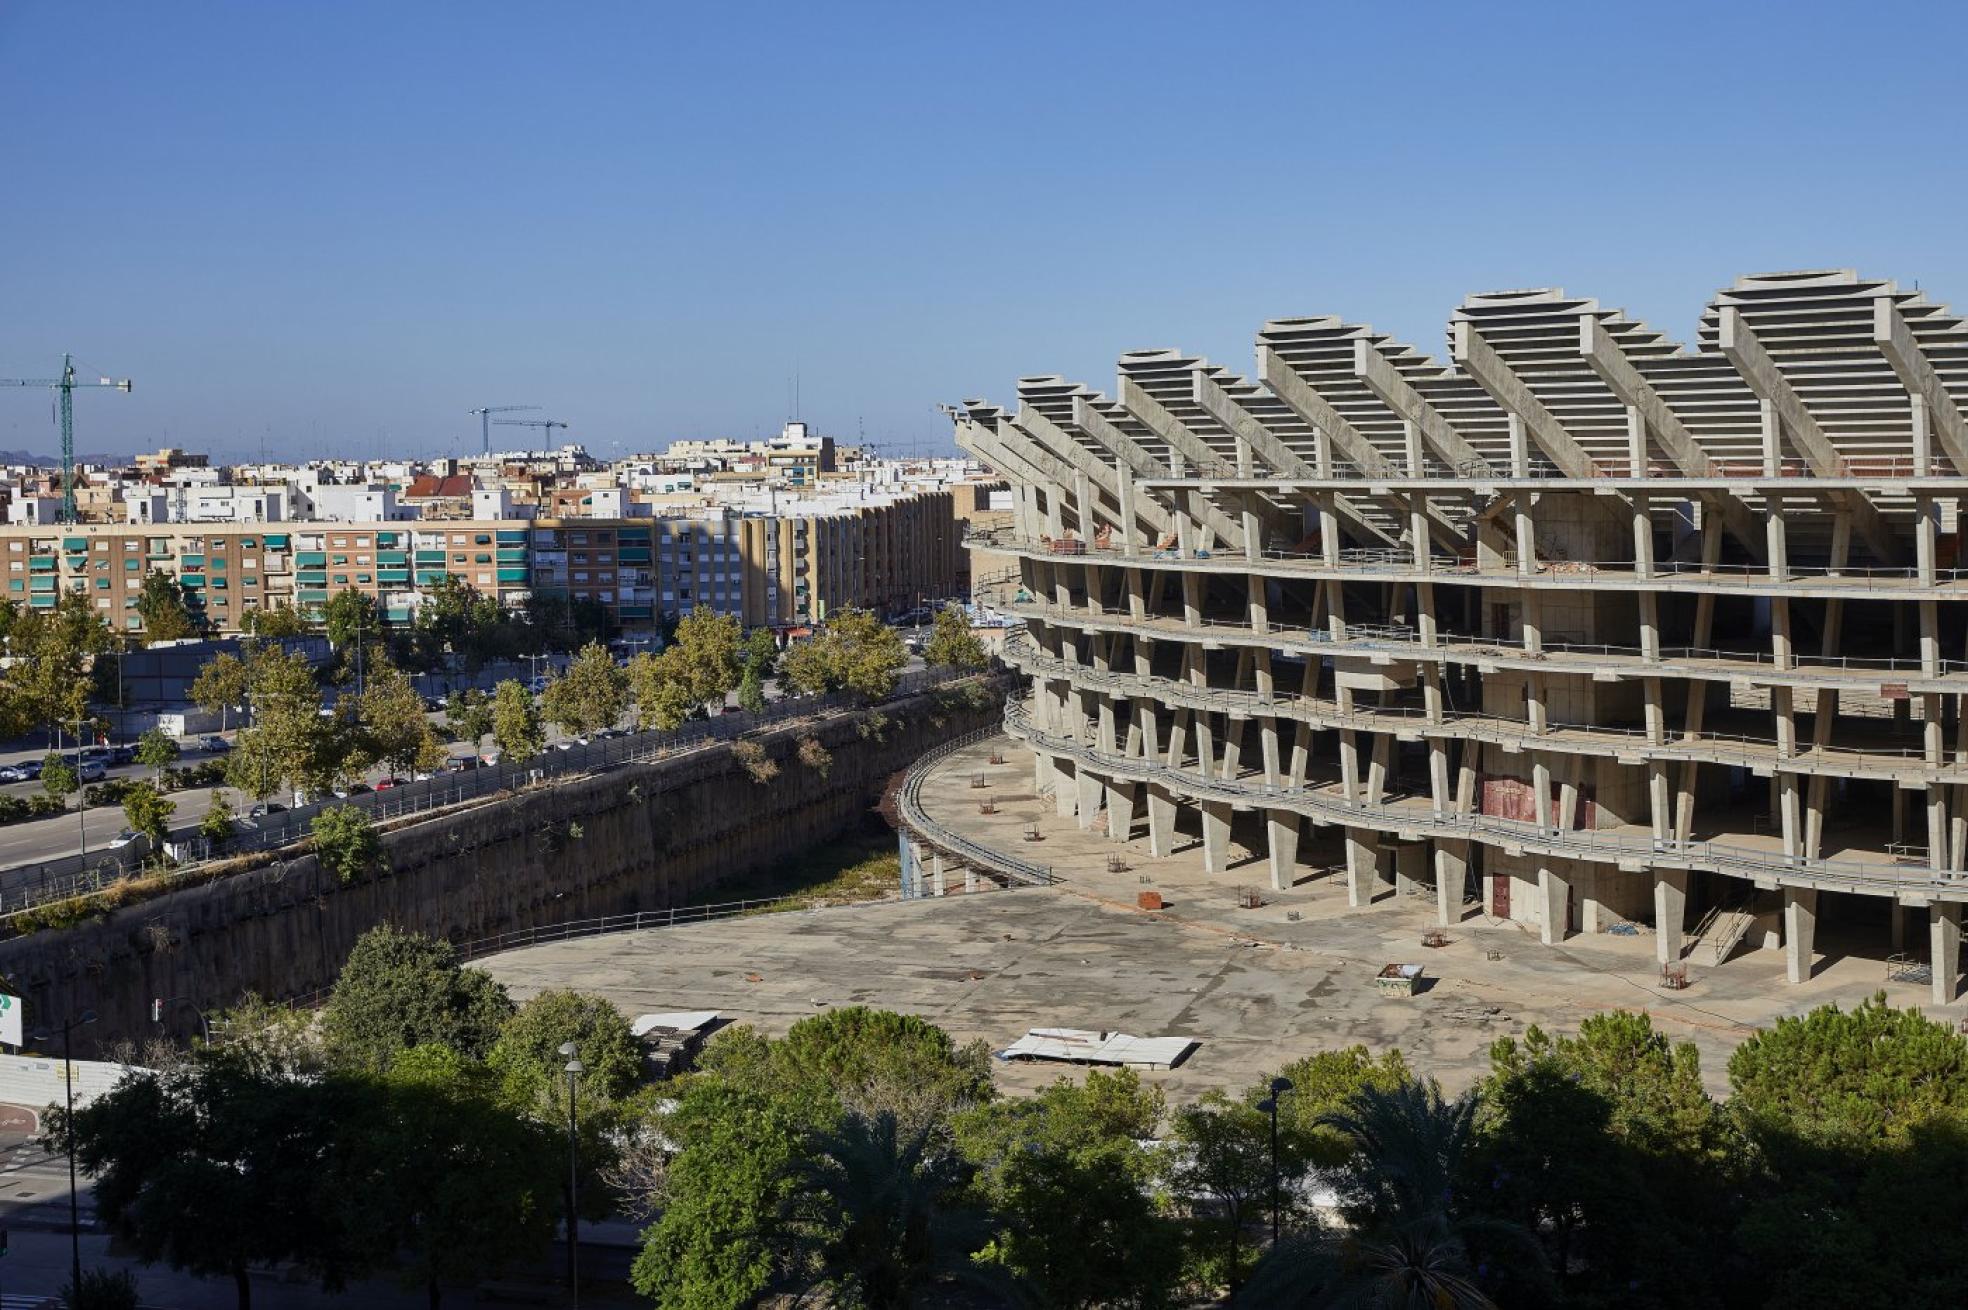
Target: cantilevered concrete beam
x,y
1740,346
1495,376
1448,445
1056,469
1902,350
1144,465
1247,427
1604,356
1149,412
1303,400
982,441
1042,432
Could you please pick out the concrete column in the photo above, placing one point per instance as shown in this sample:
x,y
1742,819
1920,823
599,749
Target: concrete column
x,y
1281,840
1670,914
1944,948
1363,880
1161,821
1897,916
970,879
1120,808
1216,836
1065,787
1088,790
937,873
1554,902
1410,866
1800,923
1451,873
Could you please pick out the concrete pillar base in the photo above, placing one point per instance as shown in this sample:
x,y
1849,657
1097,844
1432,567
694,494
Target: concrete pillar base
x,y
970,879
1451,874
1944,948
1065,788
1800,924
1120,809
1281,841
937,873
1670,914
1554,906
1088,791
1216,836
1410,867
1161,821
1363,880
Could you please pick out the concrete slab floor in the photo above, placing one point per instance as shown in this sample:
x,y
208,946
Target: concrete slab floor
x,y
1256,986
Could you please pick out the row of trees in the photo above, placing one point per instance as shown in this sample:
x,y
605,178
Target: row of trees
x,y
866,1158
416,1126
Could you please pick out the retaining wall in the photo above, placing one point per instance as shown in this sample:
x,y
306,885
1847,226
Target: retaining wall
x,y
638,837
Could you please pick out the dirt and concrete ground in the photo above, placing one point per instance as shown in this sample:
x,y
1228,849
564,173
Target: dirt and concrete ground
x,y
1257,987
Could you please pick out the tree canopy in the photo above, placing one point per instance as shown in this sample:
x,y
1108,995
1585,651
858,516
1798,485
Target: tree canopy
x,y
161,606
398,990
855,652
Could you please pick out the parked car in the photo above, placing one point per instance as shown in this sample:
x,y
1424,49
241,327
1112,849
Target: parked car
x,y
91,771
119,755
127,839
214,742
98,755
262,810
384,784
346,790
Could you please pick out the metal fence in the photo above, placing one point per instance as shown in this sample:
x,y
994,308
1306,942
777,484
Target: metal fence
x,y
917,820
24,886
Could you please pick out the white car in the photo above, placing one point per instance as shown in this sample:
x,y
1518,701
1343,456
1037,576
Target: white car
x,y
126,839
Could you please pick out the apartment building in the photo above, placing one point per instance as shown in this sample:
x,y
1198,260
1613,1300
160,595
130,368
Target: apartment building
x,y
783,571
1582,628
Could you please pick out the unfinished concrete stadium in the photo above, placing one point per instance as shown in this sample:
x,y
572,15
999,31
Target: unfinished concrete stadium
x,y
1584,628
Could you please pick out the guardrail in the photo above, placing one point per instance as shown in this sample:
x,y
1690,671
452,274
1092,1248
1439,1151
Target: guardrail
x,y
909,810
25,886
1723,747
1673,661
1591,844
1390,562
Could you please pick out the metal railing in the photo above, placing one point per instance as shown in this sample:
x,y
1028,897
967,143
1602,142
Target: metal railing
x,y
1673,661
27,885
1021,650
910,811
1880,876
1386,561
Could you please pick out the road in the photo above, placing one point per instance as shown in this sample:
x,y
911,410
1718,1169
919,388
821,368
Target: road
x,y
35,841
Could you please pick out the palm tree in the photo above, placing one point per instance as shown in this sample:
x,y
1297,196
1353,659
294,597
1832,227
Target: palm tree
x,y
874,1198
1411,1240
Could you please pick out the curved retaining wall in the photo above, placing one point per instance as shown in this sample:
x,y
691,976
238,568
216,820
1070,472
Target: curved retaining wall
x,y
638,837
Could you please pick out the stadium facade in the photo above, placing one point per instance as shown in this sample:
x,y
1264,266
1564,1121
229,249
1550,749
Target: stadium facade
x,y
1582,628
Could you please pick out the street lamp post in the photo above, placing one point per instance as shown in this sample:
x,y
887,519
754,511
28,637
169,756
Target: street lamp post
x,y
574,1071
1279,1086
68,1027
81,803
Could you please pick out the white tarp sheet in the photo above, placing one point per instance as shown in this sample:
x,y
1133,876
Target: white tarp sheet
x,y
1080,1046
683,1021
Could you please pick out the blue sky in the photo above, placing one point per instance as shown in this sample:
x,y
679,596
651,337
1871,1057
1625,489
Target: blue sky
x,y
339,227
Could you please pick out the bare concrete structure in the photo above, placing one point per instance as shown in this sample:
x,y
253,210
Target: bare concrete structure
x,y
1582,628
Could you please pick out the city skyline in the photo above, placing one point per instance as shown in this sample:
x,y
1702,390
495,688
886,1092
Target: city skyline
x,y
338,232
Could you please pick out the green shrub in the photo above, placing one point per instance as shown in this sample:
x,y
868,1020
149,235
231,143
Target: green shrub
x,y
108,792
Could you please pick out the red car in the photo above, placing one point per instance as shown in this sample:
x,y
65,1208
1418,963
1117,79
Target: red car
x,y
384,784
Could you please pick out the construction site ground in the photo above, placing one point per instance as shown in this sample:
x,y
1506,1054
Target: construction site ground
x,y
1255,986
